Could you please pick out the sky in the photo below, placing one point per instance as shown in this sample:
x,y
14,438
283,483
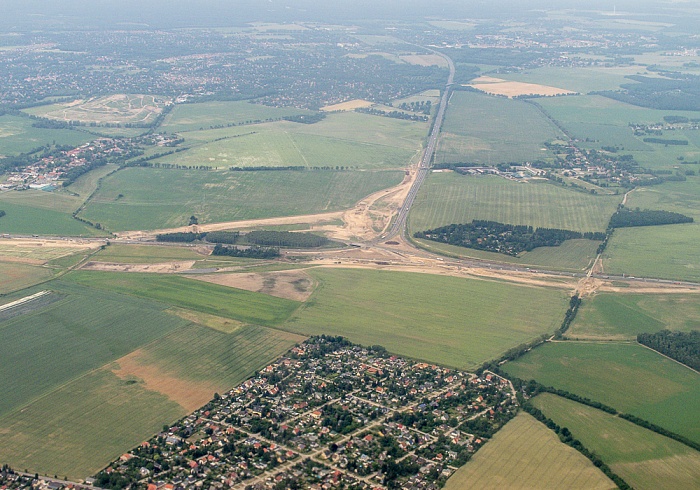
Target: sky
x,y
28,14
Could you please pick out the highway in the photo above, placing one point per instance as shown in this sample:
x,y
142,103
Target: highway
x,y
399,225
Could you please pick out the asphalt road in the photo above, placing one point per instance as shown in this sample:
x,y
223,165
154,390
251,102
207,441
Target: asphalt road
x,y
399,225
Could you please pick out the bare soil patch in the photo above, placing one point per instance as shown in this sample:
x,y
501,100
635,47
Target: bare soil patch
x,y
189,395
118,108
350,105
22,260
295,285
161,268
225,325
235,225
496,86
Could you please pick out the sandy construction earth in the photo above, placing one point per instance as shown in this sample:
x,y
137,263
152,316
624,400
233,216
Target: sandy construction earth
x,y
497,86
295,285
363,224
350,105
161,268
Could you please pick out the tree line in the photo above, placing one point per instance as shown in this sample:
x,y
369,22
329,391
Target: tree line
x,y
260,237
662,141
286,239
503,238
250,253
682,346
624,217
306,118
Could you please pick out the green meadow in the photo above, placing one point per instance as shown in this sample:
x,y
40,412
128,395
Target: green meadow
x,y
80,427
572,255
525,454
41,213
489,130
627,377
160,198
598,121
93,374
668,251
19,276
449,197
237,304
578,79
448,320
18,136
340,140
205,115
99,325
644,459
623,316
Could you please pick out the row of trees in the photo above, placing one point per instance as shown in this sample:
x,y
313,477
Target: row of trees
x,y
682,346
286,239
229,237
260,237
306,118
179,237
627,217
392,114
662,141
567,438
249,253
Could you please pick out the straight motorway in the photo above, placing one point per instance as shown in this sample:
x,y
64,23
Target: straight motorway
x,y
399,226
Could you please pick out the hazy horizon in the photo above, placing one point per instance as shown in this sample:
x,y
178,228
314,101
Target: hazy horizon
x,y
67,14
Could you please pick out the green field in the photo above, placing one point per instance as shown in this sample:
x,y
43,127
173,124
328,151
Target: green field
x,y
623,316
236,304
584,79
448,198
669,251
155,254
158,198
80,427
146,254
42,213
36,346
572,255
448,320
603,134
489,130
97,371
87,183
606,121
200,355
344,139
18,136
628,377
594,109
205,115
527,455
281,149
644,459
342,126
19,276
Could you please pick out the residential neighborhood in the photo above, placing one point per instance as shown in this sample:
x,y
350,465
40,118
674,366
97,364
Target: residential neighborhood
x,y
327,413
